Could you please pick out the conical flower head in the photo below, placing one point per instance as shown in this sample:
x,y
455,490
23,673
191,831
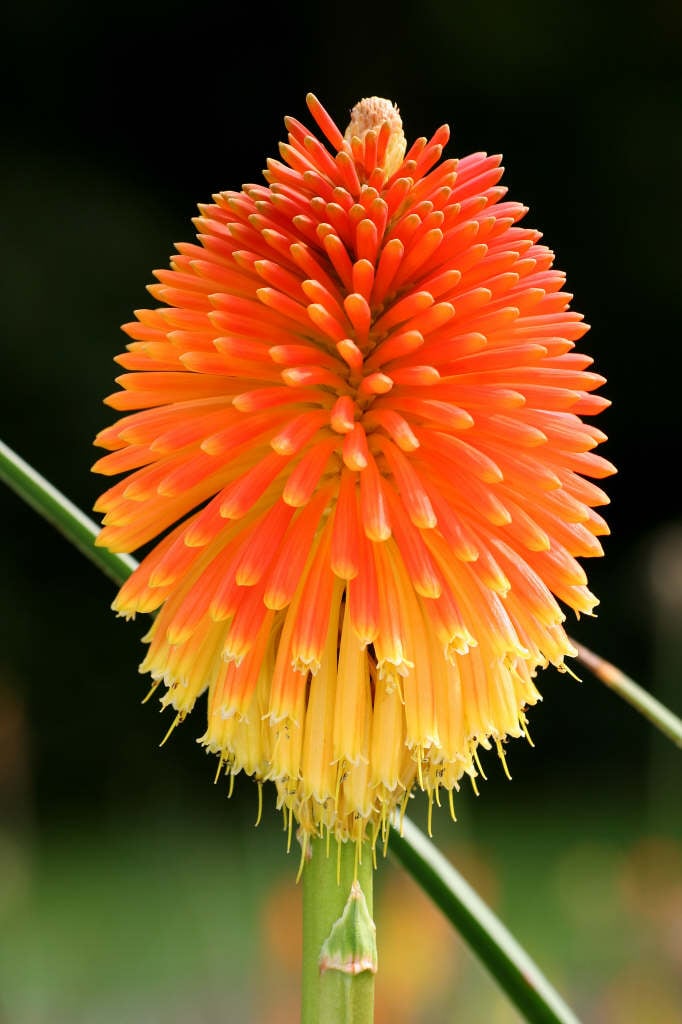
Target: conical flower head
x,y
354,420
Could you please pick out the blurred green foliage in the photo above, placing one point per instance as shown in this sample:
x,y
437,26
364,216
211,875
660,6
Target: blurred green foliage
x,y
180,920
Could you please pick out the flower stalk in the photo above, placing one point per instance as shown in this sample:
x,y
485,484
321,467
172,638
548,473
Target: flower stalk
x,y
339,943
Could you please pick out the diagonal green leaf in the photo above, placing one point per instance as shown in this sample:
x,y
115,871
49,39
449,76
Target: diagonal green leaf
x,y
52,505
635,695
492,943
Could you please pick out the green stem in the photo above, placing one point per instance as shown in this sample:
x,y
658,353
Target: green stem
x,y
498,950
332,995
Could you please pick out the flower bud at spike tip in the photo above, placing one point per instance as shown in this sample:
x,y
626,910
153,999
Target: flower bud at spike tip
x,y
352,440
370,115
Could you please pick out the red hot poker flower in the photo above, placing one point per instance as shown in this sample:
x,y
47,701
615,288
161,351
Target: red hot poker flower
x,y
357,425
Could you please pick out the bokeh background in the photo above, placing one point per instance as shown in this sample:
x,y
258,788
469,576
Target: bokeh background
x,y
130,889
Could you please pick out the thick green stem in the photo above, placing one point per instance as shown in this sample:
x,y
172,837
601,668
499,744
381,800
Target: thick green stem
x,y
334,995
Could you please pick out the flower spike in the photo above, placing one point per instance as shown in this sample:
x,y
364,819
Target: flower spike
x,y
353,422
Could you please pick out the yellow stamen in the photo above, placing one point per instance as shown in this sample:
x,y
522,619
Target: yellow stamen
x,y
567,668
385,831
304,853
479,766
260,806
500,754
154,688
524,725
176,721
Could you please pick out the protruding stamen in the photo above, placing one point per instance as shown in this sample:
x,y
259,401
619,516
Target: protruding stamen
x,y
176,721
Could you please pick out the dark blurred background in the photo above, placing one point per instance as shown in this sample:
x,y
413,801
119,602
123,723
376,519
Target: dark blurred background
x,y
116,122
